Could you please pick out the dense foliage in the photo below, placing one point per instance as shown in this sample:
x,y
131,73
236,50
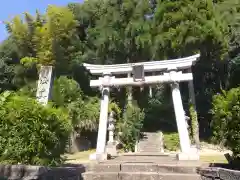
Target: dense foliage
x,y
30,133
159,111
226,118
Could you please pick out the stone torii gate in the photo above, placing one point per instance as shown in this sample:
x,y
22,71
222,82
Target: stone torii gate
x,y
171,71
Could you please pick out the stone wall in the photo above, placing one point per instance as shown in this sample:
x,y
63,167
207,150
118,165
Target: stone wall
x,y
219,174
22,172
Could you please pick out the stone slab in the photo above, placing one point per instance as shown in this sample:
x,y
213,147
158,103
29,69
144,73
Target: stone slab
x,y
188,157
106,168
111,149
174,176
145,167
100,176
138,176
156,176
139,167
157,154
98,157
177,169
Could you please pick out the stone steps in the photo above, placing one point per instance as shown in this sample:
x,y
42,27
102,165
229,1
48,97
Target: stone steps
x,y
148,150
150,143
150,147
138,176
144,167
144,157
143,170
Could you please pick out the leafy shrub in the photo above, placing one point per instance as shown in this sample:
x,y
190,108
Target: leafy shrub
x,y
130,126
31,133
29,90
116,109
85,114
171,141
65,91
226,120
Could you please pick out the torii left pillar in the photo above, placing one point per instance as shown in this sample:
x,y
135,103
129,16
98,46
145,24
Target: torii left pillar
x,y
101,154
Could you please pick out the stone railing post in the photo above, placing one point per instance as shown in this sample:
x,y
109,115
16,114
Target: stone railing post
x,y
111,145
111,127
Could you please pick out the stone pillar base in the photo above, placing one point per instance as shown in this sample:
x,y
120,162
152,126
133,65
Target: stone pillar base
x,y
188,156
193,155
98,157
111,149
136,147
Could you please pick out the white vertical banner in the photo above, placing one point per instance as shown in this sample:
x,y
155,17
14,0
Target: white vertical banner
x,y
44,84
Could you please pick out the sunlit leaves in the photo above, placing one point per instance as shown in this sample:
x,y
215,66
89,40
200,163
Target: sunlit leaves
x,y
47,38
50,38
28,61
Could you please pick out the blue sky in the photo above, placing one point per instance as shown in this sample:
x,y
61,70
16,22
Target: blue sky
x,y
10,8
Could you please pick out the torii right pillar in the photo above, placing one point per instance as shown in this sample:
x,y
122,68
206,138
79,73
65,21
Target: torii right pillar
x,y
187,153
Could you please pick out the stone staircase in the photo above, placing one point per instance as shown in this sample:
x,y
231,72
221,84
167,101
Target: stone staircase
x,y
143,167
151,142
147,163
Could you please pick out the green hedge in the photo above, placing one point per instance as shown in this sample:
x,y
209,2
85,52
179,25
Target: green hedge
x,y
31,133
226,120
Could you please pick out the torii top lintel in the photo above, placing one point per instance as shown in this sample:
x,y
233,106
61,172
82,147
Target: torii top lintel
x,y
151,66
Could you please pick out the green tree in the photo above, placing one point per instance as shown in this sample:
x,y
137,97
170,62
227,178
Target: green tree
x,y
117,30
8,62
229,11
46,39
